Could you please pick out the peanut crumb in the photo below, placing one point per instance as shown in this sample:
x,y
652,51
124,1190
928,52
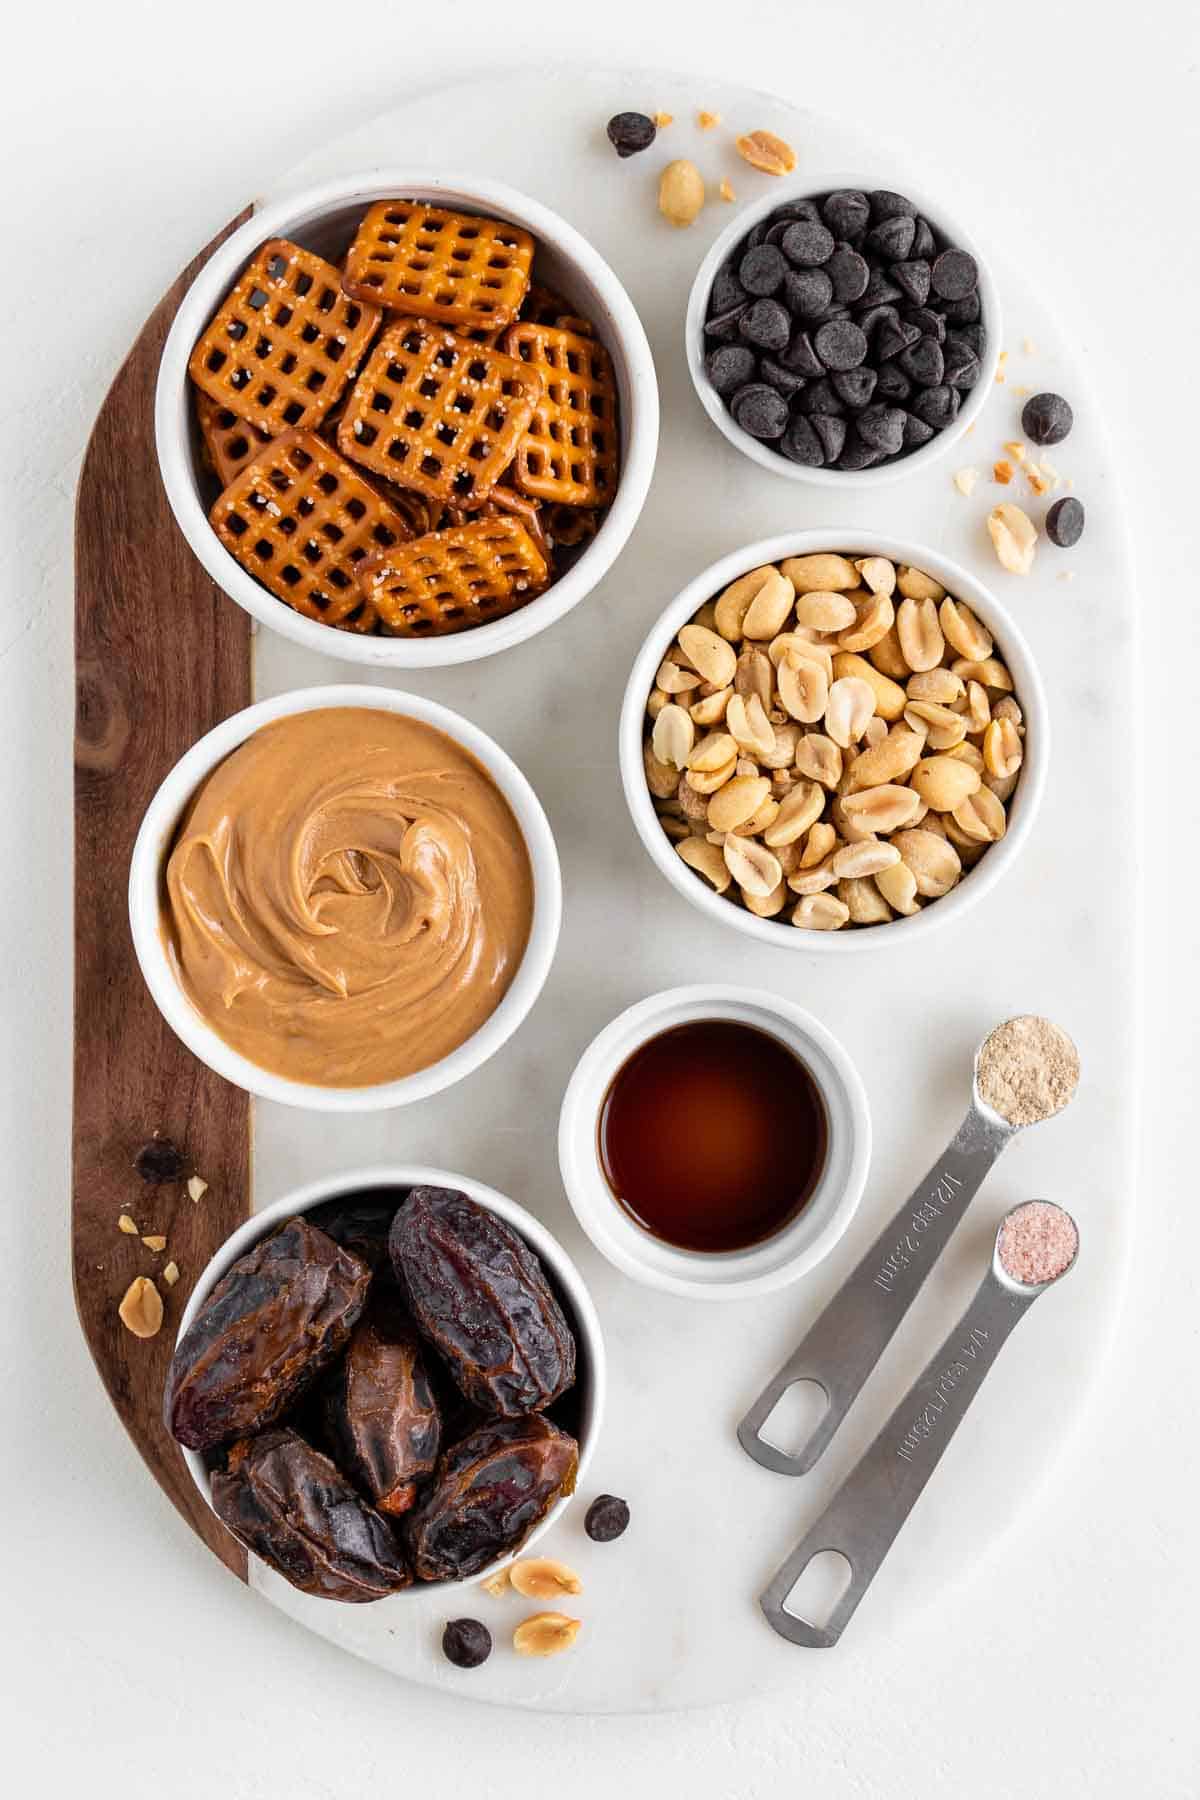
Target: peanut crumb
x,y
1066,574
155,1241
726,190
1028,346
197,1188
171,1274
1002,472
126,1224
663,119
1022,391
706,120
499,1583
965,480
1000,368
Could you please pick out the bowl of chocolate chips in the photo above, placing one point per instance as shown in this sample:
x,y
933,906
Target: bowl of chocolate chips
x,y
844,335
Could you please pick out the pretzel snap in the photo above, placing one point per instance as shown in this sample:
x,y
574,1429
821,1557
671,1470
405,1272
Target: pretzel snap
x,y
435,413
229,441
285,342
431,263
301,519
569,453
452,580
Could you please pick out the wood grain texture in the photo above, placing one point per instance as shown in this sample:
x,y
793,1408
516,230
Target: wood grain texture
x,y
161,657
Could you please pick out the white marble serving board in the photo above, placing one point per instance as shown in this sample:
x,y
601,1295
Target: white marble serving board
x,y
669,1611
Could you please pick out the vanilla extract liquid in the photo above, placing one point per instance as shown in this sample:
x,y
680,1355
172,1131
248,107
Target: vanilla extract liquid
x,y
713,1136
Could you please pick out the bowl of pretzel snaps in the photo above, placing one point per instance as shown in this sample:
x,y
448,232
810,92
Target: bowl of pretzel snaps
x,y
406,420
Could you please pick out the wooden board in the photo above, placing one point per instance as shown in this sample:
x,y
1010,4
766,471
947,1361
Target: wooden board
x,y
161,656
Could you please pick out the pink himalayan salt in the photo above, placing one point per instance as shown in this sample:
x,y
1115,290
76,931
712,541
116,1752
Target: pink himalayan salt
x,y
1037,1242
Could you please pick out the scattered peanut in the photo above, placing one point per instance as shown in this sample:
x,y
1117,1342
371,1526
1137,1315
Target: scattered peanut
x,y
545,1634
141,1310
763,150
542,1578
1014,537
842,731
680,192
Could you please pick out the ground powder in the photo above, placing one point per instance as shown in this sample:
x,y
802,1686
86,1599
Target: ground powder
x,y
1028,1070
1038,1242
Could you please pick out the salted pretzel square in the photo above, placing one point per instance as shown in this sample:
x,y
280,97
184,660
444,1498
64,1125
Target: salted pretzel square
x,y
452,580
301,519
434,264
569,453
435,413
229,441
285,342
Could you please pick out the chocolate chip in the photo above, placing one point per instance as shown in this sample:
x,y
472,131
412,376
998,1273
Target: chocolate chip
x,y
841,344
800,356
891,339
1047,418
927,322
726,291
962,367
848,273
762,270
160,1160
832,434
924,243
886,205
974,335
912,278
765,323
759,410
854,386
892,383
891,239
955,274
847,211
963,312
723,327
868,318
881,428
629,132
468,1642
784,381
606,1518
937,406
796,209
1065,522
819,397
923,362
729,367
807,293
807,243
856,454
757,234
916,432
879,291
800,444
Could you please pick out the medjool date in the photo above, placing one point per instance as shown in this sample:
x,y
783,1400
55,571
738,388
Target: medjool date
x,y
379,1413
490,1491
292,1507
268,1328
478,1293
360,1223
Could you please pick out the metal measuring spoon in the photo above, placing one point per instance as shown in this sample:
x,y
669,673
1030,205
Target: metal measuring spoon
x,y
841,1349
864,1517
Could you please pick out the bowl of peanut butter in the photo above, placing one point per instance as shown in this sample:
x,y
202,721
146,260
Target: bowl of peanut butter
x,y
345,898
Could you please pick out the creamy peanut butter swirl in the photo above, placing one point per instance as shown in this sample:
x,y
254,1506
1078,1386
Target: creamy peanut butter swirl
x,y
348,897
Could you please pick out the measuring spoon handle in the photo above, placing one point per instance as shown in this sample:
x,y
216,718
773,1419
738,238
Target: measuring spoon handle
x,y
862,1520
843,1346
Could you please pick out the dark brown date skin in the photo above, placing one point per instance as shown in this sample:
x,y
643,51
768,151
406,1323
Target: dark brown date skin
x,y
380,1417
489,1492
294,1509
360,1223
266,1331
479,1295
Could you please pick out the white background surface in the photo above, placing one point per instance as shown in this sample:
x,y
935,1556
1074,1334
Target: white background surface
x,y
128,1665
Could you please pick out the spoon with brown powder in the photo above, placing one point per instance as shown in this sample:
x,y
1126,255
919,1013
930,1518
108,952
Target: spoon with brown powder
x,y
1026,1070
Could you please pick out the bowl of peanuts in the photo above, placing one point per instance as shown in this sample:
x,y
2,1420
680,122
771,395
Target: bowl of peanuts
x,y
829,732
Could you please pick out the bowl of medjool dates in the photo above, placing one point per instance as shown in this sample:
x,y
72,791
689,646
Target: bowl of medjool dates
x,y
843,334
386,1380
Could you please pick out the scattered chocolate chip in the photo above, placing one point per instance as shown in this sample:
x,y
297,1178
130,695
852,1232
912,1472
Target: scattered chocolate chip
x,y
466,1643
848,211
160,1160
762,269
629,132
759,410
955,274
606,1518
765,323
730,366
1047,418
841,344
807,243
1065,522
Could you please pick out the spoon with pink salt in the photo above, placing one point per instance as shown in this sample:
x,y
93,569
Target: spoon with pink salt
x,y
1026,1070
1036,1245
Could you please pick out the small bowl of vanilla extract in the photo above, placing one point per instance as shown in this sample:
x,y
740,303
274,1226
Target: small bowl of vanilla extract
x,y
714,1141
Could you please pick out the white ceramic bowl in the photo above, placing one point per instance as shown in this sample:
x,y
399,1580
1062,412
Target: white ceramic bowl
x,y
568,1282
767,458
154,841
725,1275
1022,810
323,219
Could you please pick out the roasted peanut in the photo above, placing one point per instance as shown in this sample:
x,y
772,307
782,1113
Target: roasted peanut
x,y
734,603
819,758
881,809
991,673
943,782
711,710
1014,538
1002,750
939,686
820,912
787,739
803,688
963,631
823,572
982,816
706,781
749,725
737,800
919,633
914,584
755,674
898,885
707,860
821,611
712,752
752,866
889,695
888,657
673,737
942,728
863,901
680,192
873,619
542,1578
770,608
821,842
932,860
798,810
709,654
878,574
661,778
851,703
889,761
855,861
